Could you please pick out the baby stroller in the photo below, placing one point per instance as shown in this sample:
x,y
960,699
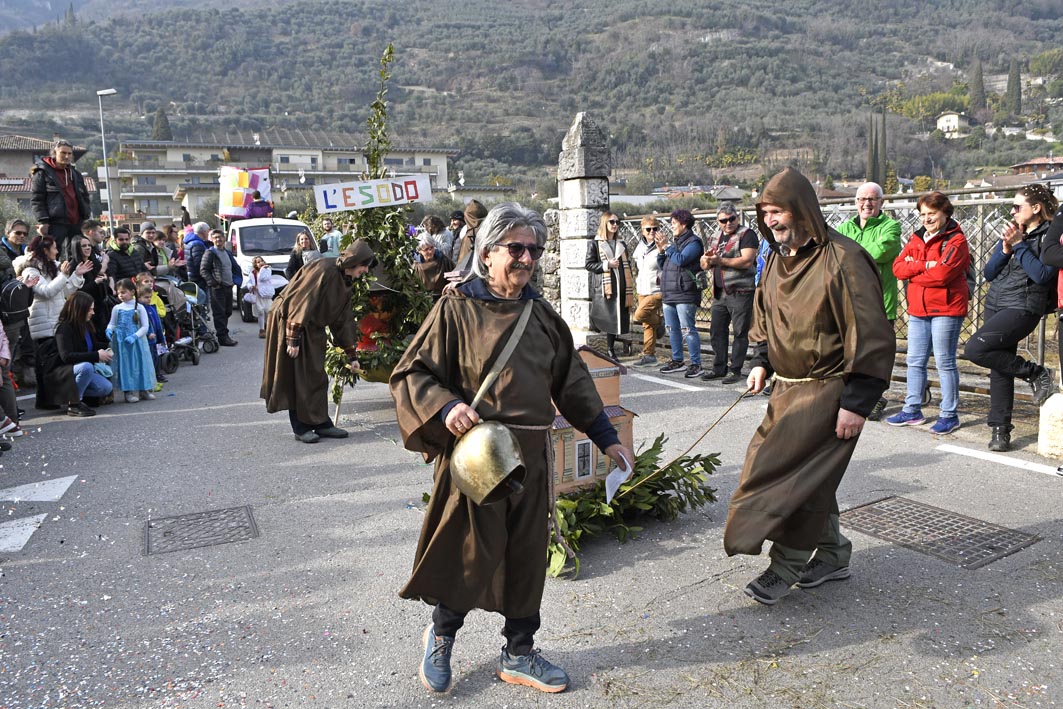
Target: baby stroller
x,y
174,300
192,321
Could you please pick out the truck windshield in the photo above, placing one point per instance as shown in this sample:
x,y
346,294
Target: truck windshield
x,y
268,238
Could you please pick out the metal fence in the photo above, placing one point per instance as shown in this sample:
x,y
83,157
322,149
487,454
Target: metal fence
x,y
982,221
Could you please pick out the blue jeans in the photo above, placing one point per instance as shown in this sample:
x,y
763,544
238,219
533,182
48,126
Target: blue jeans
x,y
90,383
679,319
943,331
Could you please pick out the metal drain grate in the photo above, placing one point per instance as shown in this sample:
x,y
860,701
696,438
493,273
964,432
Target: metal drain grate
x,y
958,539
199,529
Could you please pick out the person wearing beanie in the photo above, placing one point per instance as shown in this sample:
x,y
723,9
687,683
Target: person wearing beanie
x,y
457,223
293,376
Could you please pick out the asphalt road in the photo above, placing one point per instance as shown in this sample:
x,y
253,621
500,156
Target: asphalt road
x,y
306,614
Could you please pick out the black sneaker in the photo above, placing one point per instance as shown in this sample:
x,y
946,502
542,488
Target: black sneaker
x,y
80,409
435,667
1043,385
710,375
878,410
767,588
1000,442
674,366
732,378
818,572
693,370
227,342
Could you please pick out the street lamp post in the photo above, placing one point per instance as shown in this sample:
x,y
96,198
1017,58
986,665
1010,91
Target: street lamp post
x,y
106,168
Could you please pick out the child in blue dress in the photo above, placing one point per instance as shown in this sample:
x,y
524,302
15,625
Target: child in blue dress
x,y
128,331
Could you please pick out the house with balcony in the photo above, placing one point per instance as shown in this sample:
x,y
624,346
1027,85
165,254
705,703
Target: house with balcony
x,y
155,178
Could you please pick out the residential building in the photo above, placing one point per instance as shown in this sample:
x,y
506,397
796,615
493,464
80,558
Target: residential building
x,y
953,124
157,177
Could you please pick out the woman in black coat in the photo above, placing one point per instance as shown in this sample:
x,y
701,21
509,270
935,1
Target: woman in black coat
x,y
69,359
96,283
611,281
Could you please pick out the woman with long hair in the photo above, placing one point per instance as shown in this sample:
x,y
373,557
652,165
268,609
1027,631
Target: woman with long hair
x,y
934,262
612,286
1020,293
304,251
71,358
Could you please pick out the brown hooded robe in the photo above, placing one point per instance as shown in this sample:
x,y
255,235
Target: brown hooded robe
x,y
819,314
317,297
491,557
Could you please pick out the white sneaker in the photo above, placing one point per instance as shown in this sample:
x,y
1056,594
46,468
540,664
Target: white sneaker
x,y
7,425
131,398
147,395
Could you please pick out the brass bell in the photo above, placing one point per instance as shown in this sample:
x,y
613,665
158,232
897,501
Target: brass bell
x,y
487,465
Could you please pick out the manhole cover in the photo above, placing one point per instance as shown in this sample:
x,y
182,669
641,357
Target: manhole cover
x,y
199,529
961,540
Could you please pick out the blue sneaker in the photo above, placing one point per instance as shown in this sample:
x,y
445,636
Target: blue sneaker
x,y
435,668
945,424
531,670
904,418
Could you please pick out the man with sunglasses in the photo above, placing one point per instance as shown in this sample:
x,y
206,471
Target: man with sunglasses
x,y
733,262
881,237
492,557
648,287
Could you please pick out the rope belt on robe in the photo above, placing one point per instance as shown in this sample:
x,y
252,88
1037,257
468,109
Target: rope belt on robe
x,y
555,526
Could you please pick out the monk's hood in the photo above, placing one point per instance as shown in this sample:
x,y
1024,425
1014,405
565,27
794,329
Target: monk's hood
x,y
792,191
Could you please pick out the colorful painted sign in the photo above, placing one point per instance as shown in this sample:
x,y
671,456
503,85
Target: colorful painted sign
x,y
237,185
346,196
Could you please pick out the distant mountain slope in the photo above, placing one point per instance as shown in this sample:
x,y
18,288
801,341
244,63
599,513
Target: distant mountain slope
x,y
675,76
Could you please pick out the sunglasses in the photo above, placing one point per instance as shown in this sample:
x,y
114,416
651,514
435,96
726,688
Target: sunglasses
x,y
648,229
614,221
517,249
1014,208
20,233
726,220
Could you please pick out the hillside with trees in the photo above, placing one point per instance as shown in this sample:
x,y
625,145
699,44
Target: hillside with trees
x,y
687,92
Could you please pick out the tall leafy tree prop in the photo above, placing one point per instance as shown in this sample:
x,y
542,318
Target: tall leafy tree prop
x,y
385,228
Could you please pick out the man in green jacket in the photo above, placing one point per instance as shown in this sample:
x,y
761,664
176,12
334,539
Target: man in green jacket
x,y
881,237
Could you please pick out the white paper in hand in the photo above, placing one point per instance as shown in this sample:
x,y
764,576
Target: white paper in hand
x,y
615,479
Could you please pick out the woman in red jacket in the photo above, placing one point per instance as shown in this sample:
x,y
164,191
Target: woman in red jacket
x,y
934,263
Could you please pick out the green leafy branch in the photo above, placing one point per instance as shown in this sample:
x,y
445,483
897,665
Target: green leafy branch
x,y
652,492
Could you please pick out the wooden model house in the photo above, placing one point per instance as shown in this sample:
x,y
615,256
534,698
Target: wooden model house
x,y
577,461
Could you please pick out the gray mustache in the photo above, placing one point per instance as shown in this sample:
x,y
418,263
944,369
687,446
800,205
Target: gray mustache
x,y
518,266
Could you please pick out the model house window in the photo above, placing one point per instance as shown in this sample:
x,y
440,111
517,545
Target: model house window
x,y
584,468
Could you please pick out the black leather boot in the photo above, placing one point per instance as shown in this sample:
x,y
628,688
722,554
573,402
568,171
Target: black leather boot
x,y
1001,440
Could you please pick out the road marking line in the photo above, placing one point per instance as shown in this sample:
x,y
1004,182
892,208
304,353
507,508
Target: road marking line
x,y
44,491
1001,459
15,534
665,382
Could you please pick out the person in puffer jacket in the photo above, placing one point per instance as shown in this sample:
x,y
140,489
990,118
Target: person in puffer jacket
x,y
934,262
1021,289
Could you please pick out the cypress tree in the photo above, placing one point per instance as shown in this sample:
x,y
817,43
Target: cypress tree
x,y
976,88
161,129
1013,93
869,170
880,165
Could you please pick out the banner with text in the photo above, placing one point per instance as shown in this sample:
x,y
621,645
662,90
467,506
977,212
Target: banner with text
x,y
237,186
345,196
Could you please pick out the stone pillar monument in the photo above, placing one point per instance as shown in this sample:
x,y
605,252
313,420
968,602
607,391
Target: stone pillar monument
x,y
583,194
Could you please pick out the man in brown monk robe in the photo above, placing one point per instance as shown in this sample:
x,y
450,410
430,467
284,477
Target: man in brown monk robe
x,y
492,557
430,263
819,327
293,375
